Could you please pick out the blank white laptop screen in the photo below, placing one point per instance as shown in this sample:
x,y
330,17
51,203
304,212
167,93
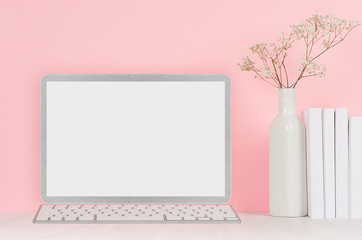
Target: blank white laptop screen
x,y
135,138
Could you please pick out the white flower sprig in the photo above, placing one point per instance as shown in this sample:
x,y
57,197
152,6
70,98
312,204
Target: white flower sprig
x,y
326,30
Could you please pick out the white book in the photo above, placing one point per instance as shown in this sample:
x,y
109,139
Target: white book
x,y
341,156
355,167
328,163
313,121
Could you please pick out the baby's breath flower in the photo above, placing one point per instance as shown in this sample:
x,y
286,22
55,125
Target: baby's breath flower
x,y
326,30
247,64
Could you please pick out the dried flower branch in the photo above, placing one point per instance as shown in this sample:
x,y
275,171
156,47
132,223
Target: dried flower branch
x,y
326,30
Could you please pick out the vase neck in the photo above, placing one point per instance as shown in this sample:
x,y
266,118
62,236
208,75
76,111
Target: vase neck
x,y
287,101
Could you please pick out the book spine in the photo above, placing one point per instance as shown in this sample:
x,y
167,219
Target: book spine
x,y
341,157
355,167
313,120
328,163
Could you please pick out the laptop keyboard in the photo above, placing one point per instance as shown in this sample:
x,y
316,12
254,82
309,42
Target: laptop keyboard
x,y
136,214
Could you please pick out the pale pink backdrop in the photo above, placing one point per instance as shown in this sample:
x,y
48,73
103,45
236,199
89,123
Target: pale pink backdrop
x,y
160,36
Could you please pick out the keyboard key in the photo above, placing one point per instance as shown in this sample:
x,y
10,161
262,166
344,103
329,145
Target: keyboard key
x,y
226,214
189,218
129,218
232,219
203,219
70,218
42,217
56,218
60,207
86,218
173,218
47,207
88,207
75,207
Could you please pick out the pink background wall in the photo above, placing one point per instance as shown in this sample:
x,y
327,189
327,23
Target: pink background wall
x,y
160,36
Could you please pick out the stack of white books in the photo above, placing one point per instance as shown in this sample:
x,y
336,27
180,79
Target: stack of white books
x,y
334,163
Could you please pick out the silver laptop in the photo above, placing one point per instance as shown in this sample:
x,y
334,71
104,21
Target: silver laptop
x,y
135,148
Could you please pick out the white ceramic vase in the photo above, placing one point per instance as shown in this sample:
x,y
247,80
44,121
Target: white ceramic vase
x,y
287,160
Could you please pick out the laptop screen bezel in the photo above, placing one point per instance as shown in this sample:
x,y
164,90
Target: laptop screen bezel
x,y
122,199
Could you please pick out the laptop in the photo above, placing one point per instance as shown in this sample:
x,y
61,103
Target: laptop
x,y
135,148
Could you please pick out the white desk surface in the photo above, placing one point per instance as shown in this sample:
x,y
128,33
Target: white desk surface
x,y
254,226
